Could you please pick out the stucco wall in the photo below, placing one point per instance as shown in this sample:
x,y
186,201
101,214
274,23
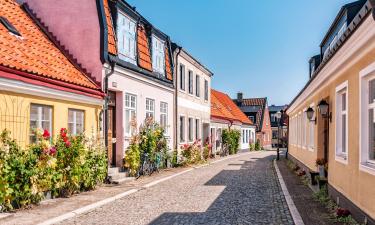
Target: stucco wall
x,y
124,81
346,177
76,26
189,105
15,114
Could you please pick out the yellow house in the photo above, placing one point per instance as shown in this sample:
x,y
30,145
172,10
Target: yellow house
x,y
333,117
40,86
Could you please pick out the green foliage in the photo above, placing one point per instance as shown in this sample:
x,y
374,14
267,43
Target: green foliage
x,y
151,140
64,166
174,159
231,138
258,146
252,147
191,153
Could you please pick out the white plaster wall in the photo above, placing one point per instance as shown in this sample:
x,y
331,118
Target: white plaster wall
x,y
125,81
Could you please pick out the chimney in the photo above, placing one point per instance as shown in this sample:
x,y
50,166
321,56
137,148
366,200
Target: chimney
x,y
239,98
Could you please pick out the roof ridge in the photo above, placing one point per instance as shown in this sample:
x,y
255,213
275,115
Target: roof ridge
x,y
58,44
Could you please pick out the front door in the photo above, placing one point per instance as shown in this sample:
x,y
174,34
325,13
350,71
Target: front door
x,y
112,129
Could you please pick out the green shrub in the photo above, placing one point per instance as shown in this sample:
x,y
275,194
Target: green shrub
x,y
174,159
252,147
149,140
63,166
258,146
191,153
231,138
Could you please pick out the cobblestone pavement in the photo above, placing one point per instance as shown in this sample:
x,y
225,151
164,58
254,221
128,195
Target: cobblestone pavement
x,y
242,190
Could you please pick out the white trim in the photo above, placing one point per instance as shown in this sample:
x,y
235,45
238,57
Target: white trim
x,y
364,75
340,89
183,102
312,125
355,48
45,92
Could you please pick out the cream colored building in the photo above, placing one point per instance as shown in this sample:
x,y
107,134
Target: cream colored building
x,y
193,85
344,78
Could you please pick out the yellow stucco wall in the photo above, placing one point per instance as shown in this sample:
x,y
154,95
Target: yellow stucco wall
x,y
357,185
15,114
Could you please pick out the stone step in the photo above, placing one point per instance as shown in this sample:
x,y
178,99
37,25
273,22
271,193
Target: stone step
x,y
113,170
123,180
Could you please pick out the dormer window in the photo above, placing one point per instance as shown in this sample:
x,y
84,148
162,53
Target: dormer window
x,y
158,55
126,29
9,26
342,31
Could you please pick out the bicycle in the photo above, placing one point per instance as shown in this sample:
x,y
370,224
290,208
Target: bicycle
x,y
146,166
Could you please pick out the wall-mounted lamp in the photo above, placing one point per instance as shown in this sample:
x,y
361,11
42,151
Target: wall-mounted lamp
x,y
310,114
323,107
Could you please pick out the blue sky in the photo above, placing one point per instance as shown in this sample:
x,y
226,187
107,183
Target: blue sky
x,y
261,48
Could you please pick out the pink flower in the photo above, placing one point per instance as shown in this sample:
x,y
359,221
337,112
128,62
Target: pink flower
x,y
52,151
68,144
46,134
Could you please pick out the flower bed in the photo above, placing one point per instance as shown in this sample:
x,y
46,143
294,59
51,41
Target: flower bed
x,y
62,166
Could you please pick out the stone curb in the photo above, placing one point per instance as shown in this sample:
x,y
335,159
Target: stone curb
x,y
289,201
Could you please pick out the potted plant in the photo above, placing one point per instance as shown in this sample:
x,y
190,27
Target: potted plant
x,y
320,163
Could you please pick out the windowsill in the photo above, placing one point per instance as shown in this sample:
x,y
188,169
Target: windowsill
x,y
367,167
342,158
311,149
182,91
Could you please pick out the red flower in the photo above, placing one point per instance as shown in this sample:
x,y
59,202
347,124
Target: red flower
x,y
65,139
63,132
52,151
68,144
46,134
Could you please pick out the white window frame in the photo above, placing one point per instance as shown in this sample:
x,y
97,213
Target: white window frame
x,y
191,85
197,86
197,130
340,154
74,122
190,129
158,55
150,108
206,90
124,33
182,77
304,129
39,119
365,75
164,113
182,128
129,109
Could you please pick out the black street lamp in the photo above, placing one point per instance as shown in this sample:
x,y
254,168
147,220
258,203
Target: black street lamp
x,y
280,118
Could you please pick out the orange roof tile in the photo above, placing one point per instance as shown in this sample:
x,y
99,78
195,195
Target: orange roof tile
x,y
144,56
111,34
33,52
168,67
223,106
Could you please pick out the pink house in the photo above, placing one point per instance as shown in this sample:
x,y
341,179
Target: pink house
x,y
124,52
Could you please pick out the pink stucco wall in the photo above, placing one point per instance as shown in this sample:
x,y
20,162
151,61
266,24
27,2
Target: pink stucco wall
x,y
75,23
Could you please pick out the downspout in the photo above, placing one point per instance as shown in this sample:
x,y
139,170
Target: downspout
x,y
106,101
175,100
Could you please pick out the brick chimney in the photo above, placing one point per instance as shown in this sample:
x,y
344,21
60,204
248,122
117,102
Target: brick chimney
x,y
239,98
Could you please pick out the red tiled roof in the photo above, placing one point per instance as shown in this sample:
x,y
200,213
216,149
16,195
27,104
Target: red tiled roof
x,y
33,53
168,68
222,106
144,56
111,34
143,45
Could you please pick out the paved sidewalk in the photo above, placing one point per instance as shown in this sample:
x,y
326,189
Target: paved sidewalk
x,y
56,207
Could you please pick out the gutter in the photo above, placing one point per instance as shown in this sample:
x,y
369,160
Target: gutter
x,y
105,110
175,69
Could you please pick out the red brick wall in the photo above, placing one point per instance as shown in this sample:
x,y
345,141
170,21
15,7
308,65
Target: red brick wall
x,y
265,135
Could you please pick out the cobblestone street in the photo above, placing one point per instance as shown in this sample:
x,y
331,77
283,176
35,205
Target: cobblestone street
x,y
243,190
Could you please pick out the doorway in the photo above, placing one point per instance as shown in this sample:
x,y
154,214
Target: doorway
x,y
112,128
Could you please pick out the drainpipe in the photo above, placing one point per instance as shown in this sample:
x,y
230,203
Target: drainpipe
x,y
107,75
372,3
175,99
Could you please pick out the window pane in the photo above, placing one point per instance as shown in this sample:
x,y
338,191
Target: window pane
x,y
33,113
343,133
70,116
343,101
372,91
46,113
371,135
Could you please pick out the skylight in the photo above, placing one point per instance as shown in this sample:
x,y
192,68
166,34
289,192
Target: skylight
x,y
9,26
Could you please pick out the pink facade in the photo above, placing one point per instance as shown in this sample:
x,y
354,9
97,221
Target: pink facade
x,y
75,23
